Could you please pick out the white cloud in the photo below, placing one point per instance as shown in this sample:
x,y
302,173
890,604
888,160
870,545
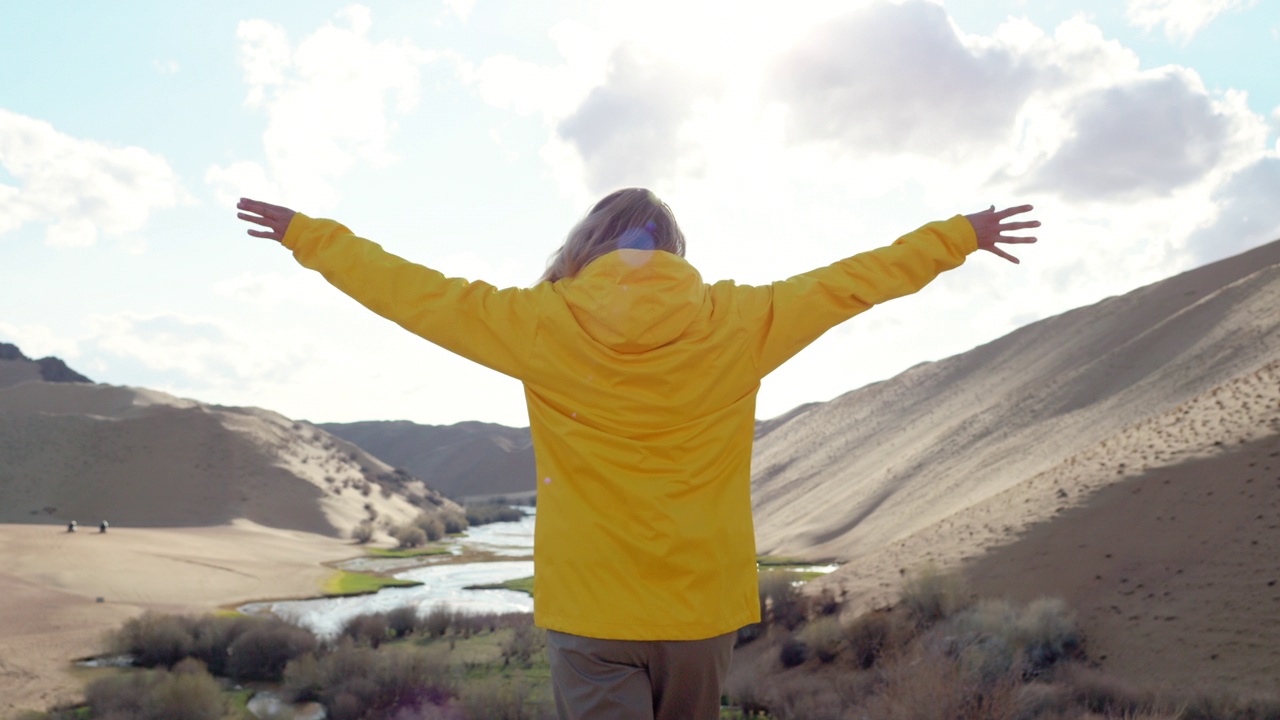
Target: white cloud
x,y
243,178
627,131
331,102
37,341
78,188
1146,136
202,351
864,80
1181,19
1248,213
461,8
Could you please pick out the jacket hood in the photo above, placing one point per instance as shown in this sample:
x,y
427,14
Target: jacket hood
x,y
635,300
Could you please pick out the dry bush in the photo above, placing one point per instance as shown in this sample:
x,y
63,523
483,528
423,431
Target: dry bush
x,y
1104,694
409,536
363,532
867,637
190,693
526,641
368,628
454,521
438,620
430,525
263,650
801,695
403,620
792,652
356,681
498,698
1044,701
1047,632
824,637
1221,706
153,639
928,686
930,596
780,600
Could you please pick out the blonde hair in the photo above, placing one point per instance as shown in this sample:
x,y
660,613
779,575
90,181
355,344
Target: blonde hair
x,y
632,218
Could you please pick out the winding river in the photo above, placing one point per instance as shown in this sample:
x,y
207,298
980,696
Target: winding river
x,y
442,584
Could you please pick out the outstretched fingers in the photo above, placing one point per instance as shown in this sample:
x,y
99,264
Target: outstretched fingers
x,y
274,217
1015,210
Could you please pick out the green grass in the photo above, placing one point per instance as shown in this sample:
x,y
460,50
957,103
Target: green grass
x,y
350,583
239,702
783,561
524,585
406,552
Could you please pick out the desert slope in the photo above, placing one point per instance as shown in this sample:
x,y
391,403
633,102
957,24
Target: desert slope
x,y
467,459
873,466
1125,456
141,458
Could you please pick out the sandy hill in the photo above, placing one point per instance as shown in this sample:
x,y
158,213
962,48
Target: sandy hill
x,y
469,459
141,458
16,368
1125,455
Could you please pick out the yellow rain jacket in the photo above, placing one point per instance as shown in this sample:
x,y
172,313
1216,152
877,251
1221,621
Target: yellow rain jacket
x,y
641,384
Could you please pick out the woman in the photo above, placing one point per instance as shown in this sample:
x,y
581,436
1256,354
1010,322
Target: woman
x,y
641,382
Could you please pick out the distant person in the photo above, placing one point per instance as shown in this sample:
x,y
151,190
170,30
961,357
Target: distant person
x,y
71,526
641,383
102,526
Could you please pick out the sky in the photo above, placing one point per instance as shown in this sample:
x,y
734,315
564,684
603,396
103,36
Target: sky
x,y
470,135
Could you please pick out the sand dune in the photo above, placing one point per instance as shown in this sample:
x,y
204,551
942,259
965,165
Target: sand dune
x,y
468,459
1010,461
142,458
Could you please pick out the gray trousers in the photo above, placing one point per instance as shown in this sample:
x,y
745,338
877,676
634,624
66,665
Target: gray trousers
x,y
636,679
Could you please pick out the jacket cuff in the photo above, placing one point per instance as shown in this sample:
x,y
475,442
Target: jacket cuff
x,y
293,234
962,229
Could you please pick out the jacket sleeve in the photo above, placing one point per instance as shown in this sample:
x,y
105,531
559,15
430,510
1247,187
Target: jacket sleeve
x,y
473,319
789,314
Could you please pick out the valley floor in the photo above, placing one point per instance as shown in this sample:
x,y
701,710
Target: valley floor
x,y
51,582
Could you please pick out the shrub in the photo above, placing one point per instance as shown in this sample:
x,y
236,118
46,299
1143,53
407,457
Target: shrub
x,y
363,532
454,521
190,693
409,536
792,652
1099,693
526,641
491,512
1047,632
369,628
930,596
403,620
930,686
432,528
780,600
154,639
499,699
263,651
867,638
823,637
438,620
356,681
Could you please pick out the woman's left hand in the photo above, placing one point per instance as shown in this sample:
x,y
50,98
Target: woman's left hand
x,y
274,217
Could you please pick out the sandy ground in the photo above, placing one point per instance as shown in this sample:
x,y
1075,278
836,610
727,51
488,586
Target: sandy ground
x,y
50,582
1174,573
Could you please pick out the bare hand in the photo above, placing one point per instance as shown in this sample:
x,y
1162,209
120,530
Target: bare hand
x,y
990,228
275,217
